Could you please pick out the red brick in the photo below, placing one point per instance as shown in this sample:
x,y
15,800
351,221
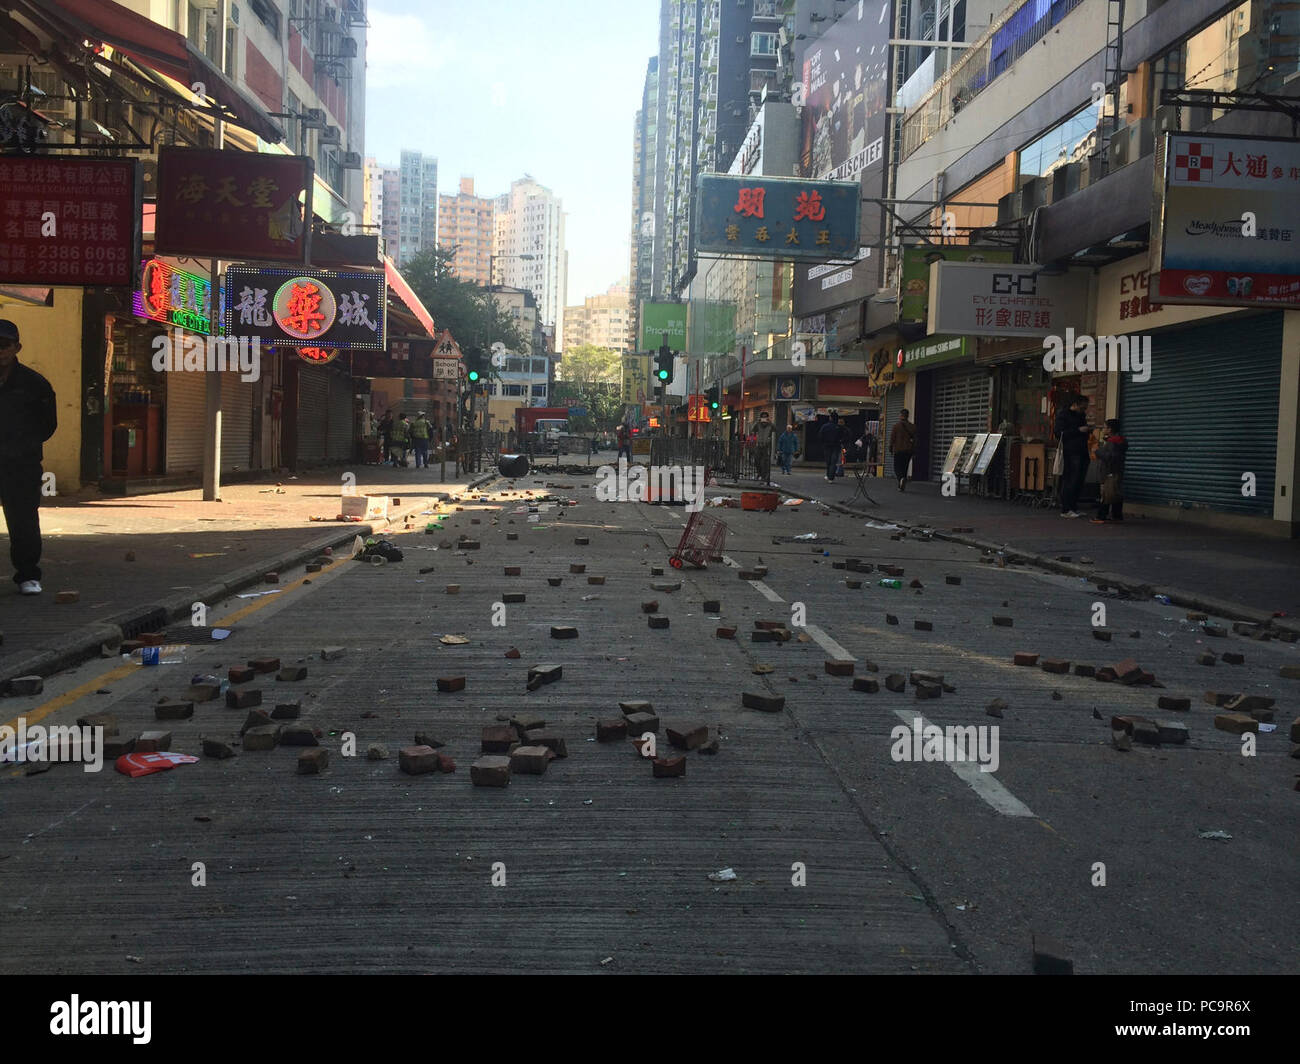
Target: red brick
x,y
596,580
266,737
576,568
292,673
668,767
1024,658
173,709
549,740
496,738
896,683
513,570
687,736
1003,622
151,742
271,578
1127,671
243,699
513,653
563,631
608,731
67,597
241,673
446,764
726,633
1217,698
298,735
650,607
1236,723
763,701
449,684
1055,666
657,622
839,668
313,762
640,723
417,760
214,748
1170,702
490,772
530,760
287,710
263,665
864,683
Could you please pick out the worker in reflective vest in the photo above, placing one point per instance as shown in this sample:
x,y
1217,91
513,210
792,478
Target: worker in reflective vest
x,y
420,431
400,438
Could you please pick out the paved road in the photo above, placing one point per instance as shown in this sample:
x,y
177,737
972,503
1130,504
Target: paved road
x,y
910,867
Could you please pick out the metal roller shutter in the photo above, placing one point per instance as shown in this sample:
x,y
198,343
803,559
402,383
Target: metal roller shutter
x,y
236,423
313,413
1208,414
183,422
895,403
960,408
339,432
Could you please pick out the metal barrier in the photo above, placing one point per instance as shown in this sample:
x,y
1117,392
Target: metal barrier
x,y
729,459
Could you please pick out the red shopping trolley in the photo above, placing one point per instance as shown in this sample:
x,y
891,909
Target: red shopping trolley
x,y
702,539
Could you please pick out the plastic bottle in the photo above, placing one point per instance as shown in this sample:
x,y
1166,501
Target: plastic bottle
x,y
172,654
895,584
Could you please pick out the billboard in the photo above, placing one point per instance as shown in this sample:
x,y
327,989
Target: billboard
x,y
73,221
845,90
1225,228
233,205
988,299
712,328
914,296
636,379
777,217
660,318
313,308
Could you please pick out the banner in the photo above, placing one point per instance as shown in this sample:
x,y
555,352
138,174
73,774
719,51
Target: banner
x,y
73,221
233,205
316,308
660,318
1226,223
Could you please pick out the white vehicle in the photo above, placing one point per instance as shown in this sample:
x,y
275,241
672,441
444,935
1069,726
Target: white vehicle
x,y
550,430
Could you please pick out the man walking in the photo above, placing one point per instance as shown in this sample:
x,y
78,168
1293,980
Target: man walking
x,y
902,441
27,419
1111,455
420,430
763,448
1072,432
829,436
386,437
785,448
624,442
401,437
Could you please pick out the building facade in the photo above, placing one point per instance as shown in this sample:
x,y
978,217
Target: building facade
x,y
529,221
602,321
466,222
644,153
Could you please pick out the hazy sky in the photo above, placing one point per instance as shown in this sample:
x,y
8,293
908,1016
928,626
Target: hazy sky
x,y
499,88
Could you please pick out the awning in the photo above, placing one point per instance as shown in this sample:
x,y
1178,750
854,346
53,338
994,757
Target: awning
x,y
398,286
163,50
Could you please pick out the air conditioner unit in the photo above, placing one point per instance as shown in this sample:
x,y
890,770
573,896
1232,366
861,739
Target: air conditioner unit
x,y
1033,194
1063,181
329,135
350,160
313,117
1090,171
1166,120
1119,151
1009,208
347,48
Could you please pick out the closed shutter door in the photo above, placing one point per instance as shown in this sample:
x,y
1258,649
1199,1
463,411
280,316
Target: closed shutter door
x,y
339,438
183,427
1208,414
894,400
313,412
961,408
236,423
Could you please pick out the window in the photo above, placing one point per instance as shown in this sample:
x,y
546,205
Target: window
x,y
539,391
762,44
1062,144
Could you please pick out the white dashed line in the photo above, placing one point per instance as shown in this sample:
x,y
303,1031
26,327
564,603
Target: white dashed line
x,y
828,644
982,783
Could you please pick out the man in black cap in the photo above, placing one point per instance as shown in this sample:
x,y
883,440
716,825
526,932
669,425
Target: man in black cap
x,y
27,419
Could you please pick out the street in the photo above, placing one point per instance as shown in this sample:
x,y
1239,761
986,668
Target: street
x,y
846,857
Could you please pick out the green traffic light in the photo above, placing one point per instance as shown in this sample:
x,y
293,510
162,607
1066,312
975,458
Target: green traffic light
x,y
713,405
473,375
663,374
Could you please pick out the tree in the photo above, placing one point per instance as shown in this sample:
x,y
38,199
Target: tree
x,y
586,365
475,319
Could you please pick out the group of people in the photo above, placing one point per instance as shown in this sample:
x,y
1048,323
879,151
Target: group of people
x,y
398,436
1074,433
902,442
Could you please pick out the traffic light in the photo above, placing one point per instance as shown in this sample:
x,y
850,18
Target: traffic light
x,y
715,401
664,362
473,376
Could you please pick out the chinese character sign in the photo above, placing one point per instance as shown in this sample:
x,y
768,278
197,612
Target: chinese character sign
x,y
986,299
1226,227
778,217
174,296
233,205
315,309
72,221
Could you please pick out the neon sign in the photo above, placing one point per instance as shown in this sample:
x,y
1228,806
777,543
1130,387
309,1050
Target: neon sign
x,y
174,296
304,308
318,356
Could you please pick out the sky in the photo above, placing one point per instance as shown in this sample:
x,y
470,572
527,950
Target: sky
x,y
496,89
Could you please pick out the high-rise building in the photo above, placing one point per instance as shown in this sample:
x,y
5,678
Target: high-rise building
x,y
390,219
373,207
417,206
602,321
644,148
465,223
529,247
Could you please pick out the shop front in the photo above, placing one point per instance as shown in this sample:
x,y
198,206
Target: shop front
x,y
952,398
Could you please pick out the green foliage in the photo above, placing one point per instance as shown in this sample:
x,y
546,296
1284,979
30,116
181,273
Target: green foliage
x,y
587,364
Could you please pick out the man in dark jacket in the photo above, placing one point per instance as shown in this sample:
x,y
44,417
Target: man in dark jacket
x,y
27,419
1072,432
902,441
1110,456
829,436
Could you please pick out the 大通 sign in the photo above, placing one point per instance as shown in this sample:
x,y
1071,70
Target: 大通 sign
x,y
73,221
778,217
233,205
317,308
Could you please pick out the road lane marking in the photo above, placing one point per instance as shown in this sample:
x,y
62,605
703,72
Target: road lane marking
x,y
828,644
39,713
982,783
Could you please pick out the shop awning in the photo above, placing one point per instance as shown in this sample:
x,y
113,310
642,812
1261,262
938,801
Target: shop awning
x,y
160,49
398,286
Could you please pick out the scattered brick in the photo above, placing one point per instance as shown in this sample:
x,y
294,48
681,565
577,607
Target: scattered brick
x,y
523,723
292,673
952,580
67,597
376,752
425,739
668,767
609,731
762,636
896,683
1001,621
650,607
853,585
1215,630
555,581
529,760
1181,705
563,631
271,578
640,723
511,536
687,736
1246,628
923,626
453,589
313,567
265,737
264,665
332,653
890,619
1206,659
468,544
712,606
1105,674
313,762
490,772
597,581
241,673
929,690
1250,703
1236,723
552,741
749,574
1051,957
546,673
667,586
513,653
635,706
150,742
417,760
1295,730
576,568
866,684
173,709
1231,657
1103,634
107,721
642,747
762,701
656,570
298,735
451,684
1121,740
1127,671
214,748
581,541
1172,731
1196,617
839,668
1147,733
1217,698
445,763
1025,658
497,739
657,621
243,699
1135,634
287,710
838,565
996,708
726,633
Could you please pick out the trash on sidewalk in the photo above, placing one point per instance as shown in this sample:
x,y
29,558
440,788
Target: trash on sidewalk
x,y
134,765
380,551
793,502
258,594
453,640
1214,835
884,527
172,654
216,554
726,875
220,633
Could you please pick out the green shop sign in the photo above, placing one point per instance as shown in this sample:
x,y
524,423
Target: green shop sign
x,y
937,351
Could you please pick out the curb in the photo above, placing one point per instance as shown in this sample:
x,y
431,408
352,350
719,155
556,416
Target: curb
x,y
1229,610
89,641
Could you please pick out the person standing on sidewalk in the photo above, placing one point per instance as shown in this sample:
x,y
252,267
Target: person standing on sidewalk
x,y
1072,431
624,442
1111,455
401,436
28,417
763,447
902,441
420,430
786,446
829,436
385,437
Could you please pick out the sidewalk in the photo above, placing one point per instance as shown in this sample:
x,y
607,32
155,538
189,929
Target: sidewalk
x,y
1186,561
185,550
